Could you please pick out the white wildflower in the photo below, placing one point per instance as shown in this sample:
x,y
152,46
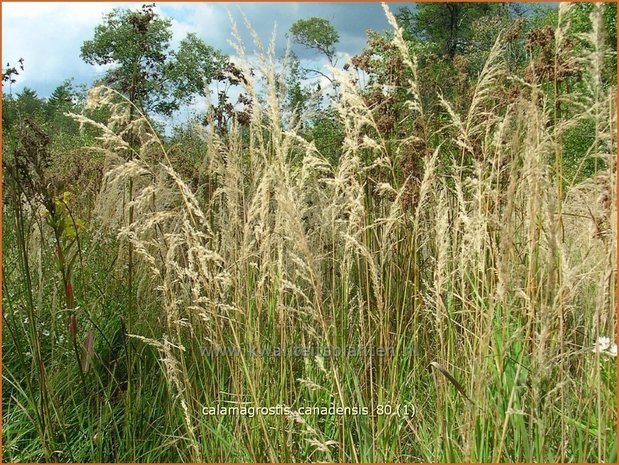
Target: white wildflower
x,y
603,346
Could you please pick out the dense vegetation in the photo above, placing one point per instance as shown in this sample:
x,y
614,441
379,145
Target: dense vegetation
x,y
425,233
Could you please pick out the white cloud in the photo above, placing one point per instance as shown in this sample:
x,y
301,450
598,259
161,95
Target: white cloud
x,y
179,31
48,36
209,21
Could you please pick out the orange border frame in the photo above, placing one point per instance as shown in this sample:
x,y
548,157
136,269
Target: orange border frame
x,y
300,1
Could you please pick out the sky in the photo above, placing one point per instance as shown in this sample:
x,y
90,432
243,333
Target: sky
x,y
48,36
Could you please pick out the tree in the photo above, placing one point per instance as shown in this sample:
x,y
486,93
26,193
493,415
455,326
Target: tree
x,y
144,68
193,63
26,104
317,34
63,129
297,95
448,26
61,100
29,103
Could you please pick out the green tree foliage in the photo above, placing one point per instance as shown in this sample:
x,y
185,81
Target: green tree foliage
x,y
323,128
298,95
62,99
559,65
327,132
295,95
193,66
447,26
64,131
452,42
581,19
316,34
26,104
30,104
143,66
